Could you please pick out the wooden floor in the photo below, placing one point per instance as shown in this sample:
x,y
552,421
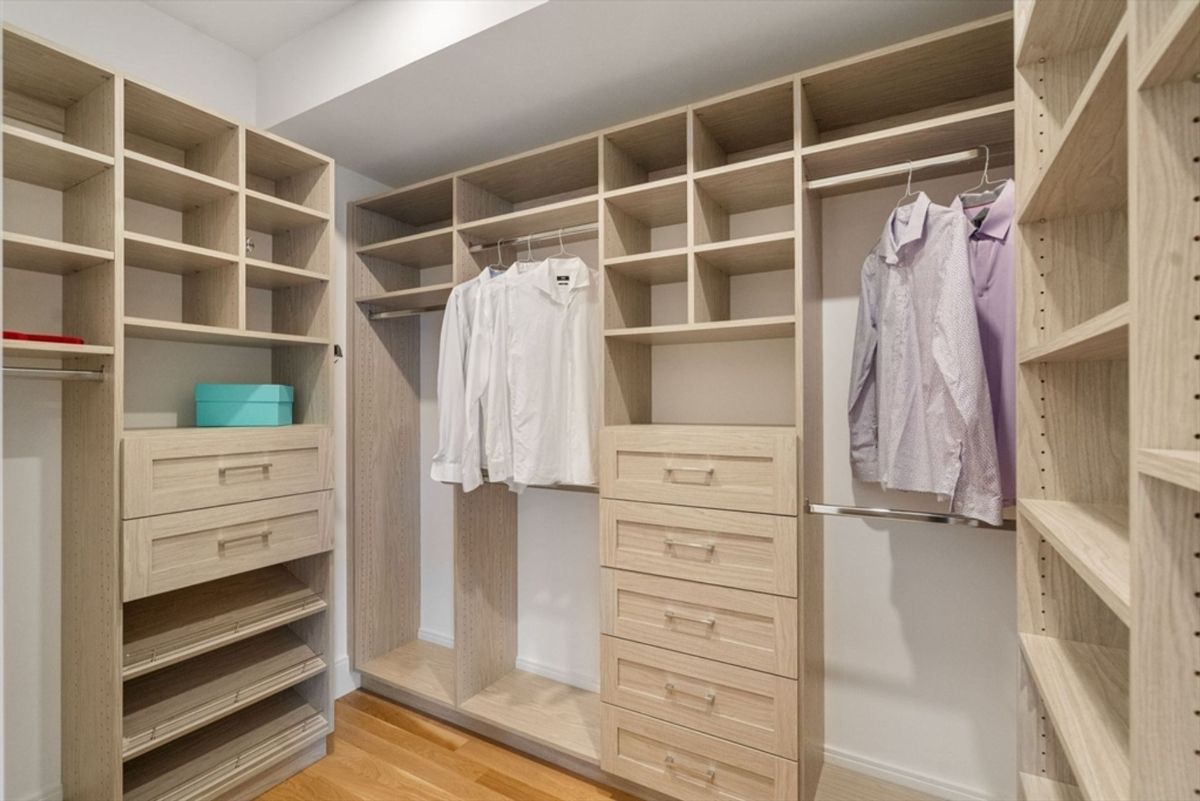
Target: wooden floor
x,y
381,751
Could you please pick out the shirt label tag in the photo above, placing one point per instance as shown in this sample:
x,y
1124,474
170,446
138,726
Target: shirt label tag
x,y
563,280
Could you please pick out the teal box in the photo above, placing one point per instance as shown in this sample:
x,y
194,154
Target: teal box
x,y
232,405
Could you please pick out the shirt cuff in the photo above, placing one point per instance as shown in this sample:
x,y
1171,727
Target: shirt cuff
x,y
446,472
865,470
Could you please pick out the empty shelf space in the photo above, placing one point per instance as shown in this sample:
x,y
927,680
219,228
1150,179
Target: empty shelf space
x,y
219,756
165,128
1085,688
1086,172
268,275
145,328
161,183
657,267
420,298
39,255
756,184
544,177
418,251
34,158
46,87
1039,788
743,126
564,214
1174,55
548,712
168,704
755,254
1105,337
423,207
418,667
272,215
1053,29
179,625
693,333
646,152
167,256
1093,539
1178,467
654,204
52,350
287,171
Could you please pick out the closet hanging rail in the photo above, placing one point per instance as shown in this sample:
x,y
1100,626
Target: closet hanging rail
x,y
895,169
906,515
569,231
53,373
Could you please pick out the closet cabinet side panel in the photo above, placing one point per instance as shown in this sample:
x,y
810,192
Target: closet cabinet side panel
x,y
384,471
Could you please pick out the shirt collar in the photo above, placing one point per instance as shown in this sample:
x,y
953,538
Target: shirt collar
x,y
911,230
1000,214
543,276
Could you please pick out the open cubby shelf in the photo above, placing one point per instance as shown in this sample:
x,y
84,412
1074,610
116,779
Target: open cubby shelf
x,y
161,183
273,215
653,267
510,225
52,350
164,255
418,251
287,172
429,297
419,667
1179,467
165,129
34,158
39,255
1103,337
413,210
783,327
537,179
649,151
142,328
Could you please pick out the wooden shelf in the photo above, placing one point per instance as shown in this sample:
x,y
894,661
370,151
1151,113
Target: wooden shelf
x,y
161,183
166,705
272,215
655,267
1086,172
419,251
1085,688
548,712
35,254
268,275
990,125
530,179
1094,540
33,158
52,350
1174,55
1178,467
418,667
421,298
145,328
219,756
164,255
755,254
1105,337
693,333
741,125
421,207
563,214
655,204
182,624
1039,788
156,123
646,151
750,185
1052,29
270,157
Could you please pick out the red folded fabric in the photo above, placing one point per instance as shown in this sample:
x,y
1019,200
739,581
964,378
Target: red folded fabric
x,y
59,338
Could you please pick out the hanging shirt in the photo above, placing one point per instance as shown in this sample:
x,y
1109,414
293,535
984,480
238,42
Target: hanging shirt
x,y
920,415
990,253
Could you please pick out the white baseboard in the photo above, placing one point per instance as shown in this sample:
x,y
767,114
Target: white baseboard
x,y
929,785
436,637
54,793
581,680
344,679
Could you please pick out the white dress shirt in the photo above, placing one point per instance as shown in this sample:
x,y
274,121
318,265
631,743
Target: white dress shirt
x,y
920,413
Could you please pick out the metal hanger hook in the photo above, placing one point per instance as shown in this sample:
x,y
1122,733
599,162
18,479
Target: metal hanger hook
x,y
987,160
562,249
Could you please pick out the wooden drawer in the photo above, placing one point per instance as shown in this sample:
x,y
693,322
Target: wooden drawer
x,y
167,552
171,471
746,468
742,628
734,549
687,764
745,706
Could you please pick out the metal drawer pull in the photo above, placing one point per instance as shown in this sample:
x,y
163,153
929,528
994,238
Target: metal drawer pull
x,y
709,775
701,546
264,466
709,697
703,621
707,472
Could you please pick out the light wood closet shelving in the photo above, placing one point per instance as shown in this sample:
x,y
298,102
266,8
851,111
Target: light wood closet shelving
x,y
1108,148
702,167
221,682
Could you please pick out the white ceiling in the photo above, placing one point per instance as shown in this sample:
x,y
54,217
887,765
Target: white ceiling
x,y
573,66
255,27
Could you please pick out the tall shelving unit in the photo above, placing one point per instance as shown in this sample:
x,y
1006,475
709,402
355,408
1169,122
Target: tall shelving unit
x,y
1108,419
197,673
734,172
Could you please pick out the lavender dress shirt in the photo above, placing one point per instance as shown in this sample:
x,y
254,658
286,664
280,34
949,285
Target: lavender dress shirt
x,y
990,253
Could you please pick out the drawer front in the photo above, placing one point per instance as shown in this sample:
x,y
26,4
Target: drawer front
x,y
733,549
687,764
745,706
742,628
196,469
167,552
747,469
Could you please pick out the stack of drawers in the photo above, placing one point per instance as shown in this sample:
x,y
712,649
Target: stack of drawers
x,y
700,616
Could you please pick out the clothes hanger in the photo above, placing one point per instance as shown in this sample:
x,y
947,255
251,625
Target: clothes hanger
x,y
980,195
499,264
562,249
908,188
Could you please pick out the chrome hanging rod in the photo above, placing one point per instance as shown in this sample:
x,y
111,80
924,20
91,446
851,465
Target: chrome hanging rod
x,y
53,373
906,515
391,315
568,231
895,169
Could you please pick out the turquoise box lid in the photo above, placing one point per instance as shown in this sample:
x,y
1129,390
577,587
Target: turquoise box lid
x,y
244,393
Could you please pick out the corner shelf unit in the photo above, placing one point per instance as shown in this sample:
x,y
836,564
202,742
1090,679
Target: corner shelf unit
x,y
692,201
200,692
1108,397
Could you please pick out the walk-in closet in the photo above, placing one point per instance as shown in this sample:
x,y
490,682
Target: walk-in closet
x,y
598,400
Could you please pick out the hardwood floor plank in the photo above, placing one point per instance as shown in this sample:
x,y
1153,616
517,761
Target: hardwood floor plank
x,y
370,778
523,768
356,720
410,721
